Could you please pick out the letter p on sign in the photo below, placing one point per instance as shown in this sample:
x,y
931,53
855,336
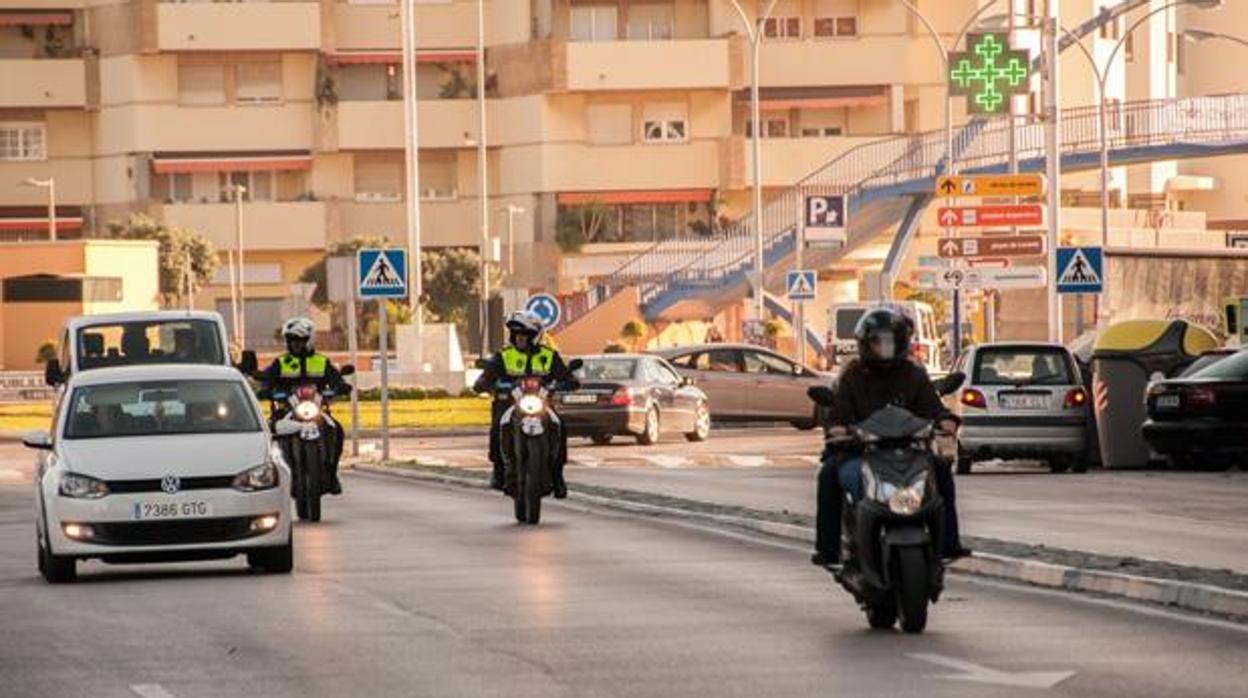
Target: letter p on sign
x,y
825,211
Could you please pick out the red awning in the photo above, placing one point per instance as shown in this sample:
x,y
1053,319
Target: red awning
x,y
13,19
41,223
395,57
258,163
659,196
822,103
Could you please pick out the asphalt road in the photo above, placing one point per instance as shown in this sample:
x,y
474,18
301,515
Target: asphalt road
x,y
1182,517
414,590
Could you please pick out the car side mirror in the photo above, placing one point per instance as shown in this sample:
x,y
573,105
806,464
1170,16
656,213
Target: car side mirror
x,y
53,375
821,395
575,365
247,363
950,383
38,440
286,427
347,370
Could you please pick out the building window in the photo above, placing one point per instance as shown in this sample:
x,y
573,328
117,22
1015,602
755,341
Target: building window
x,y
174,187
259,185
201,85
595,22
378,178
651,21
638,222
665,123
822,132
836,18
258,83
23,141
439,175
1128,47
774,127
783,28
609,124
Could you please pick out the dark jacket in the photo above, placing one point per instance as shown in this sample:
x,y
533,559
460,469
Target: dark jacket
x,y
861,390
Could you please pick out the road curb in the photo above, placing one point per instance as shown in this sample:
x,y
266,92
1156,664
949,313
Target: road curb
x,y
1191,596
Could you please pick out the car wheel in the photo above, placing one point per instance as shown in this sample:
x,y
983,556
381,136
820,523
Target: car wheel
x,y
701,423
600,439
650,432
1059,465
56,569
279,560
1079,464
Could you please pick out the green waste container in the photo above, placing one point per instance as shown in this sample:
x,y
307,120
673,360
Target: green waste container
x,y
1126,356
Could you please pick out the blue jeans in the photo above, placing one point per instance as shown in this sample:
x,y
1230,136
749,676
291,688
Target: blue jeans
x,y
837,475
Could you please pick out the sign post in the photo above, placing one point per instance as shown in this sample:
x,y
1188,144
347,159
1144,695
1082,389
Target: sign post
x,y
382,275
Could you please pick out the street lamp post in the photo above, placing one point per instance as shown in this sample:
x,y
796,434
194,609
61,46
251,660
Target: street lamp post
x,y
411,156
482,182
239,296
512,211
754,33
50,185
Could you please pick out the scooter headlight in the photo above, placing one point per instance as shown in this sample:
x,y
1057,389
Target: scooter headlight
x,y
307,411
530,404
906,501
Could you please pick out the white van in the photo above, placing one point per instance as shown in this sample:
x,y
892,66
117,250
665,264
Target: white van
x,y
843,320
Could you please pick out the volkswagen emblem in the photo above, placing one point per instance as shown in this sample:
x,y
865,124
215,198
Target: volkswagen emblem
x,y
170,484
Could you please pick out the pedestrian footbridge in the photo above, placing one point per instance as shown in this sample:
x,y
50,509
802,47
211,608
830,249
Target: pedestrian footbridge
x,y
889,184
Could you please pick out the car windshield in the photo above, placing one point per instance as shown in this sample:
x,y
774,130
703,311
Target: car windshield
x,y
608,369
149,342
1022,366
1233,367
1202,362
154,408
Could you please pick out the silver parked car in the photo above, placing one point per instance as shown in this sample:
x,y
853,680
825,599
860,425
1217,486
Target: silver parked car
x,y
744,382
1021,400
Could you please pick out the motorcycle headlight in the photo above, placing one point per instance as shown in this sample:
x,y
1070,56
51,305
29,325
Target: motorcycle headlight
x,y
261,477
307,411
77,486
530,404
906,501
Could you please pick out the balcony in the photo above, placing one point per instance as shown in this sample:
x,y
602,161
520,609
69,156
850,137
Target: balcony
x,y
173,128
450,222
366,125
868,60
253,26
294,225
371,27
785,160
580,167
647,65
73,182
43,82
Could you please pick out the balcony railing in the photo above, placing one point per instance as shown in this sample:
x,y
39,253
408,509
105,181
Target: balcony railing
x,y
43,82
267,225
250,26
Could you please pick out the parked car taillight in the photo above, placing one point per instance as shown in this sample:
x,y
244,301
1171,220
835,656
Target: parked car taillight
x,y
622,396
1198,398
1076,397
974,398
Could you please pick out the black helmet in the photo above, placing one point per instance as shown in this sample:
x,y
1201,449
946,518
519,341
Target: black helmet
x,y
883,337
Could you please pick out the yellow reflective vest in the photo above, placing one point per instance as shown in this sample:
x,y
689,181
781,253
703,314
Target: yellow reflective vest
x,y
518,363
293,366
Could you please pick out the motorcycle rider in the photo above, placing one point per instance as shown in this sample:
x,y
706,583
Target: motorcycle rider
x,y
300,364
881,375
524,355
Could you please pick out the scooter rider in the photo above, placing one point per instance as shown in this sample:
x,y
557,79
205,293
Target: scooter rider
x,y
524,355
881,375
302,363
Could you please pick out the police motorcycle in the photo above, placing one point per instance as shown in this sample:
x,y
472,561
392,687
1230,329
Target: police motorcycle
x,y
890,540
529,430
305,428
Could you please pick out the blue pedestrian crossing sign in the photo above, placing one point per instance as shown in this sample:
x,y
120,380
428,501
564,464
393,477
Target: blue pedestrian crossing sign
x,y
1080,269
800,285
382,273
546,307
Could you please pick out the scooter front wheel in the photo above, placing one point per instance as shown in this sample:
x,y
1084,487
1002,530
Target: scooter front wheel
x,y
911,585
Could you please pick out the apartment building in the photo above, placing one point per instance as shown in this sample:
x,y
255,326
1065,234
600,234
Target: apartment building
x,y
611,123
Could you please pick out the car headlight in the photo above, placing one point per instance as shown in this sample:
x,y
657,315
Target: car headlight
x,y
261,477
530,404
78,486
307,411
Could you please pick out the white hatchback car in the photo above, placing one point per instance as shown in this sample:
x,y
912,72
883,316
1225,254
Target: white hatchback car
x,y
158,464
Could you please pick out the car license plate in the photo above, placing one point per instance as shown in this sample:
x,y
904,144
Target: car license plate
x,y
1168,402
149,511
1024,402
580,399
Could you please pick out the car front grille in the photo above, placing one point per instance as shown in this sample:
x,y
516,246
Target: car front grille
x,y
187,531
213,482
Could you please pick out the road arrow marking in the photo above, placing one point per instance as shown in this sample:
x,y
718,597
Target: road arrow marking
x,y
667,461
150,690
748,461
587,461
982,674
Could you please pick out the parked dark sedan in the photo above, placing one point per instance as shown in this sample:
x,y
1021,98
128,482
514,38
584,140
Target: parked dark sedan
x,y
1201,419
633,395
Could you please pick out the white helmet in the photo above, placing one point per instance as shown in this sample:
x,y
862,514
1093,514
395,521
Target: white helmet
x,y
526,321
299,328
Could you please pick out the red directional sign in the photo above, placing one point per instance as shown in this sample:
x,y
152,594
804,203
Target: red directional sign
x,y
999,246
970,216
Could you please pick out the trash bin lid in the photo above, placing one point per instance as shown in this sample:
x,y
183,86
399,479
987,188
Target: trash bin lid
x,y
1154,337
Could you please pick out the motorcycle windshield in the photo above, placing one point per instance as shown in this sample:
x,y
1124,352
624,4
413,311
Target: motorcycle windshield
x,y
893,423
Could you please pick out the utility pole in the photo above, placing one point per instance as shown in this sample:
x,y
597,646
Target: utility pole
x,y
483,182
1053,148
240,313
411,155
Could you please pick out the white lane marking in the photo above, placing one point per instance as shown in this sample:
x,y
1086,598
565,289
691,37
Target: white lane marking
x,y
150,690
665,461
587,461
432,460
982,674
812,460
748,461
9,475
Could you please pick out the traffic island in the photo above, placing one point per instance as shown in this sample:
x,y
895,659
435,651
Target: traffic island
x,y
1216,592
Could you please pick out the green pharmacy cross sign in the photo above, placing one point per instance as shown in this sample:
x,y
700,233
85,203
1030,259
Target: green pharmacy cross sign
x,y
988,74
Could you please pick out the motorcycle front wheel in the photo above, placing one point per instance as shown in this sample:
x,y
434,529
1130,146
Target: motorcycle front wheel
x,y
310,458
530,486
911,585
